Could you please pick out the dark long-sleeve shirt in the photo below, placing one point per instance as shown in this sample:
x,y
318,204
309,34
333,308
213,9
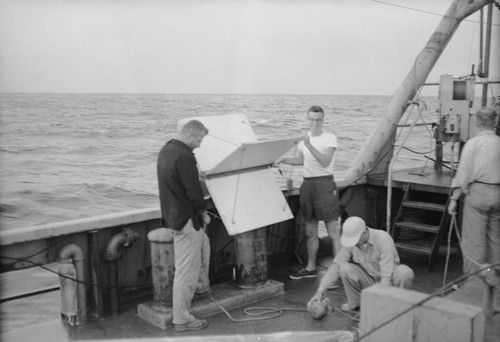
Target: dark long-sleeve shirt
x,y
181,195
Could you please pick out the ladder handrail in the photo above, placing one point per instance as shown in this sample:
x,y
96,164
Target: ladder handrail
x,y
391,164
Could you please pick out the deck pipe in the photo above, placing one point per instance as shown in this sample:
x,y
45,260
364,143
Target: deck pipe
x,y
250,250
112,255
162,265
73,254
95,273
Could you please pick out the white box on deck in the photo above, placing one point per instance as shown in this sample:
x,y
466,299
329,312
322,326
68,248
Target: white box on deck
x,y
437,320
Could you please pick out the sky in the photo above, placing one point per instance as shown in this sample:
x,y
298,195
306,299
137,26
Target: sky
x,y
338,47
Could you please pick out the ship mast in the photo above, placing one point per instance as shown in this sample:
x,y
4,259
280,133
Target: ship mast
x,y
485,68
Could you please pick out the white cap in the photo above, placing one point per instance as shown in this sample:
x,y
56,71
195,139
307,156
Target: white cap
x,y
352,229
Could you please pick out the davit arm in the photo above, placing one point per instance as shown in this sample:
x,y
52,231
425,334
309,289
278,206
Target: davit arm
x,y
376,145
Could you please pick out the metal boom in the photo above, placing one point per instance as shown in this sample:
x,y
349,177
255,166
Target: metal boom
x,y
375,145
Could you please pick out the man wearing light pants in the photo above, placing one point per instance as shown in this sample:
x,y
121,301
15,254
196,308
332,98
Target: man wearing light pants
x,y
192,255
368,256
478,180
183,209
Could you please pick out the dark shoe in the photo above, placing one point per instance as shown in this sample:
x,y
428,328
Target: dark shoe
x,y
202,291
303,273
197,324
345,307
200,295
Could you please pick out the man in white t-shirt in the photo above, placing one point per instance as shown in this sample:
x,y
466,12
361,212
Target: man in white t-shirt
x,y
318,193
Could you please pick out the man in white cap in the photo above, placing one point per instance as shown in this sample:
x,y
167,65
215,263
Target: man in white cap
x,y
368,256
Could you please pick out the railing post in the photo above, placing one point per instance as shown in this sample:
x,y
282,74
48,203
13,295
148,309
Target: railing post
x,y
95,273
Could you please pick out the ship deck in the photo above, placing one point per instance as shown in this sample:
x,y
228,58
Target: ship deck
x,y
296,325
421,178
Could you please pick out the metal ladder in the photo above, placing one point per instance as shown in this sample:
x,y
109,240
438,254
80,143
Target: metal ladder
x,y
420,224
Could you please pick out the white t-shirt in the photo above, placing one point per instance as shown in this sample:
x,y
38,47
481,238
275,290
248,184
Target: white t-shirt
x,y
312,167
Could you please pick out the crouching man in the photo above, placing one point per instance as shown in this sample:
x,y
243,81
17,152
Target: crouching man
x,y
368,256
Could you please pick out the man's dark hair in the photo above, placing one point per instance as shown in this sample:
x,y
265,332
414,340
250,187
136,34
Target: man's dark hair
x,y
316,109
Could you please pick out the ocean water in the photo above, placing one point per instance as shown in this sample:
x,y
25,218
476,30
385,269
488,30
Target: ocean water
x,y
70,156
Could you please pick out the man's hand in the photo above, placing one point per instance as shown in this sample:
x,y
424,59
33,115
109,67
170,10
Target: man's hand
x,y
278,161
202,176
452,207
316,298
206,217
306,139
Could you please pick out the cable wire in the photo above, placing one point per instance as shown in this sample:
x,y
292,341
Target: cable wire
x,y
257,313
429,12
77,280
49,246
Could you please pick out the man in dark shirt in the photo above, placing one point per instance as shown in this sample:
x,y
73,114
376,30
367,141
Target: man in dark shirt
x,y
183,209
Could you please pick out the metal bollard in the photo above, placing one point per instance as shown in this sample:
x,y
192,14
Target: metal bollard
x,y
162,265
251,258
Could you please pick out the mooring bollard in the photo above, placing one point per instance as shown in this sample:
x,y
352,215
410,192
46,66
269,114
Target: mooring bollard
x,y
162,265
250,249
